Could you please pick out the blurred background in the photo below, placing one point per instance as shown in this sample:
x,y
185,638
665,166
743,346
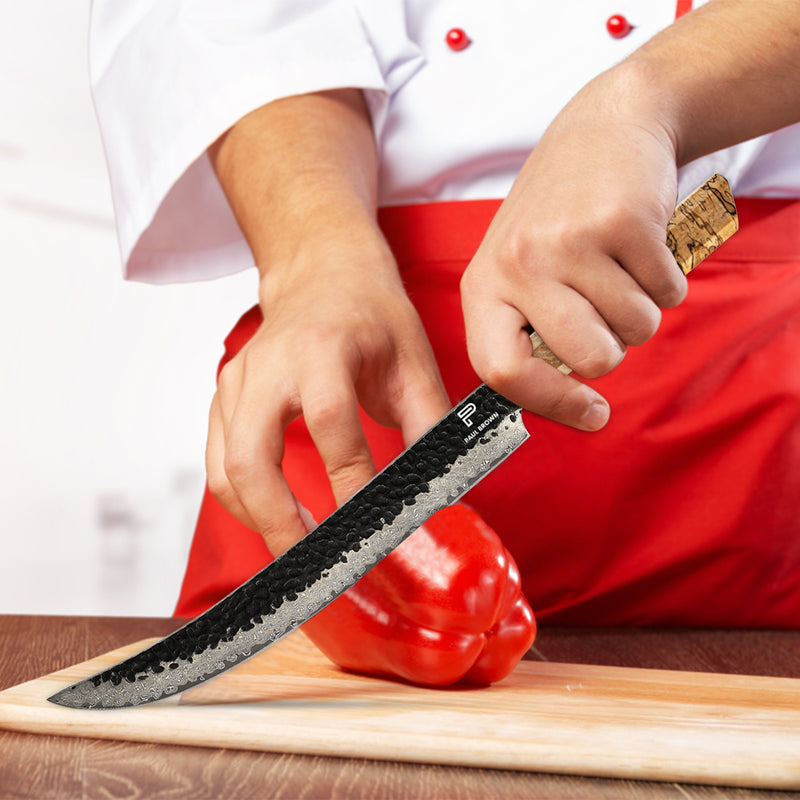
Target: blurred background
x,y
104,385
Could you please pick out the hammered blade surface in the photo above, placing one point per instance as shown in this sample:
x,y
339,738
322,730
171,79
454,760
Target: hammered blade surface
x,y
433,473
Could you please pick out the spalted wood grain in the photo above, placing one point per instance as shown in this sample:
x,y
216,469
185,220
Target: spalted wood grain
x,y
34,766
701,223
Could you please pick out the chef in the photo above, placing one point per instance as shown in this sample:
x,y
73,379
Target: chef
x,y
524,159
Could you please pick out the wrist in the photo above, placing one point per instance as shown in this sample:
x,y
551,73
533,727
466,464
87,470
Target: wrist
x,y
341,247
635,94
725,73
314,225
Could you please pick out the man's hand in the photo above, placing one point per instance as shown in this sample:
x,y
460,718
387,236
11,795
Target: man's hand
x,y
577,251
338,330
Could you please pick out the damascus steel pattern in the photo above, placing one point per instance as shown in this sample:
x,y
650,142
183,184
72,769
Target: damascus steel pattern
x,y
433,473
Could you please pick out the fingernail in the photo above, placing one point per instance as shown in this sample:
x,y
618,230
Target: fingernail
x,y
306,516
596,416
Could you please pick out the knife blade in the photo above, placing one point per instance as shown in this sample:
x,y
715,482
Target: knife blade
x,y
479,433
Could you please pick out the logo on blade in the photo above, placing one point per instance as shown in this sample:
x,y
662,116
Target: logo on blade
x,y
465,413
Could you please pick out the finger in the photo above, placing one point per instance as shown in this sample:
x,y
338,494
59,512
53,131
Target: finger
x,y
253,454
645,256
405,391
502,356
218,483
622,303
229,387
574,330
227,461
330,409
306,516
421,403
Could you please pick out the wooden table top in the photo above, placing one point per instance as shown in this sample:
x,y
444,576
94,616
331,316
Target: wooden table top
x,y
64,767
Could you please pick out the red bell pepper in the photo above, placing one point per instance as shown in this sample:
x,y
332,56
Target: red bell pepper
x,y
445,606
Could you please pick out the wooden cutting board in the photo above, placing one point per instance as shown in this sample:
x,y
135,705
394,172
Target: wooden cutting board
x,y
546,717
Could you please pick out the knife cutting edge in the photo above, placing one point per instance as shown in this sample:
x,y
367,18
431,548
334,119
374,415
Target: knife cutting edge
x,y
439,468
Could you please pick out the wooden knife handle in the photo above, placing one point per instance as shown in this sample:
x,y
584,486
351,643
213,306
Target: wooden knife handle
x,y
700,224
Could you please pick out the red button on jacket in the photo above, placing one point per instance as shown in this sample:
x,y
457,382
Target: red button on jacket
x,y
618,26
457,39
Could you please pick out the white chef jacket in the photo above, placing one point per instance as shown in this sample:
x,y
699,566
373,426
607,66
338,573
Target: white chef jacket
x,y
170,76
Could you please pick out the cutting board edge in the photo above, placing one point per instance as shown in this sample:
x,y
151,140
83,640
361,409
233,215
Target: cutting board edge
x,y
428,751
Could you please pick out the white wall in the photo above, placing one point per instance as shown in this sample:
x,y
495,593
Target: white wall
x,y
104,385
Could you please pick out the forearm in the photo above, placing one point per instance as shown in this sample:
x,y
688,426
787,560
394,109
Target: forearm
x,y
299,166
727,72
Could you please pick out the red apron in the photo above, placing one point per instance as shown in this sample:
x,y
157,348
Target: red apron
x,y
683,511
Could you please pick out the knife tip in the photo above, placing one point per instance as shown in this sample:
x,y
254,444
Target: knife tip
x,y
78,695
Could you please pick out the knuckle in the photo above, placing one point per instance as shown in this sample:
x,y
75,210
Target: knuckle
x,y
269,531
468,280
556,405
602,227
498,373
326,411
518,248
641,330
216,479
349,474
566,402
348,460
239,461
618,217
522,252
227,377
318,331
220,487
478,281
661,279
598,362
673,293
216,484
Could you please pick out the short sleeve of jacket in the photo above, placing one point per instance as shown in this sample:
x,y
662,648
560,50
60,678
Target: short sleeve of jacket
x,y
170,76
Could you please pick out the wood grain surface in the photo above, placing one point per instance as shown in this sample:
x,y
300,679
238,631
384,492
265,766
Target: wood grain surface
x,y
36,766
552,717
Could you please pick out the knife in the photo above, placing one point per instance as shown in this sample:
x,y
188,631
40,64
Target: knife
x,y
464,446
